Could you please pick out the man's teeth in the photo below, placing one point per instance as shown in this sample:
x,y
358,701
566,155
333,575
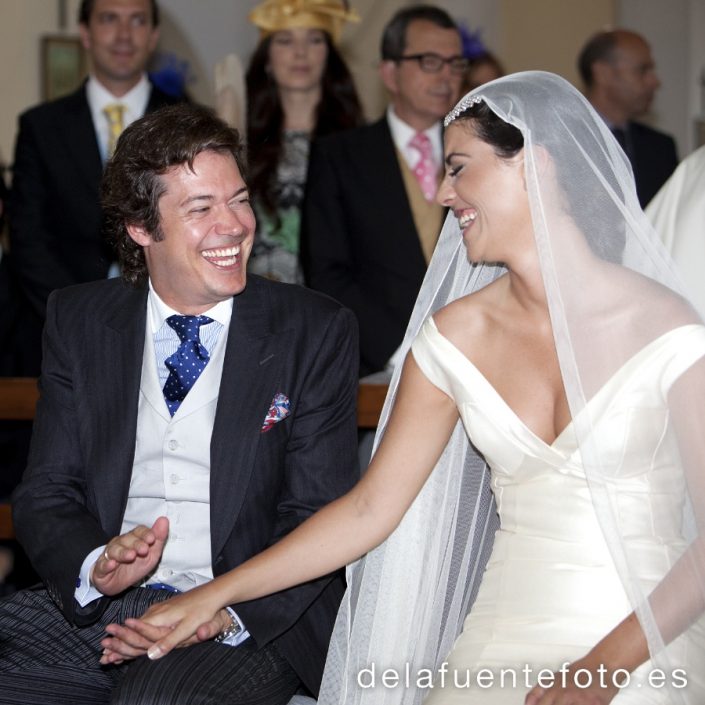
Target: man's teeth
x,y
466,219
225,256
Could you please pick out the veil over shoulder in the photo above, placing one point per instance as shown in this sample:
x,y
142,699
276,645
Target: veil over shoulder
x,y
612,290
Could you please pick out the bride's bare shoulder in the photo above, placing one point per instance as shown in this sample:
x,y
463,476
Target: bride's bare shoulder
x,y
468,316
648,298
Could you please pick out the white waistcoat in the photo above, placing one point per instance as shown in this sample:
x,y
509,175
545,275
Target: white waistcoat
x,y
171,471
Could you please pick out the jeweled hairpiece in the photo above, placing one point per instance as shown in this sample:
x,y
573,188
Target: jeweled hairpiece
x,y
328,15
461,107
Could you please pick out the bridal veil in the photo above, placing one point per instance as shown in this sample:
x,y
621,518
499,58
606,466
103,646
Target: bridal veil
x,y
407,599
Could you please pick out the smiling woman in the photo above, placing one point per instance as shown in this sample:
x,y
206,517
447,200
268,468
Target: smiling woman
x,y
298,88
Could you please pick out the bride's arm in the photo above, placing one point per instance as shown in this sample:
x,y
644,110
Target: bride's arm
x,y
419,427
679,599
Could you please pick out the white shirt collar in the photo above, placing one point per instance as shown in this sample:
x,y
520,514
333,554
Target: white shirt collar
x,y
134,101
158,311
403,133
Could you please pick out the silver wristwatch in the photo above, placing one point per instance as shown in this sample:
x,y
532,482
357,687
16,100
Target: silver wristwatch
x,y
233,629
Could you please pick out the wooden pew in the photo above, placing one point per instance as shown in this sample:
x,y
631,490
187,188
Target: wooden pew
x,y
18,399
370,399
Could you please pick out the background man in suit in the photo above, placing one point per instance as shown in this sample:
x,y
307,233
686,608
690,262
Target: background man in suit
x,y
620,79
370,222
134,480
61,146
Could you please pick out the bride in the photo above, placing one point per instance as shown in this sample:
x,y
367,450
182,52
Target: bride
x,y
576,369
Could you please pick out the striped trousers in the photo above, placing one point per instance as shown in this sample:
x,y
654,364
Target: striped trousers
x,y
46,661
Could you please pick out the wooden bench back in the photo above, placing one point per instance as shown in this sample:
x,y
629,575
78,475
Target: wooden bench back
x,y
18,399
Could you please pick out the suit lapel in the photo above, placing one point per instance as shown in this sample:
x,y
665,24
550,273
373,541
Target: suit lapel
x,y
81,141
253,353
80,135
118,387
386,171
394,204
157,99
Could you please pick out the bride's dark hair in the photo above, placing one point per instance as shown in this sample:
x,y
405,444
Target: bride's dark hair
x,y
507,141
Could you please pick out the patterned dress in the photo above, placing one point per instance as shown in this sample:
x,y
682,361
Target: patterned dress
x,y
275,254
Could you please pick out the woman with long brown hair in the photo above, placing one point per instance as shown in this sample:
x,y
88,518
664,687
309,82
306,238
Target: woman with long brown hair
x,y
298,88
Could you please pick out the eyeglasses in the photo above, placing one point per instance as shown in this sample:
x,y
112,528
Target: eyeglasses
x,y
433,63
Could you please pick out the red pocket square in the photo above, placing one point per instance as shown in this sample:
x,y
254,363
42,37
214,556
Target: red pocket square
x,y
277,411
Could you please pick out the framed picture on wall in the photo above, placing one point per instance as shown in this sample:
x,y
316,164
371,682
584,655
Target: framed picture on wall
x,y
63,65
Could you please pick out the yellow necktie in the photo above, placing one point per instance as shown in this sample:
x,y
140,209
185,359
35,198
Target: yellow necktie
x,y
113,113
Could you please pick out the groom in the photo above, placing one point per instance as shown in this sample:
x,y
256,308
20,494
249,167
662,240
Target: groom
x,y
189,417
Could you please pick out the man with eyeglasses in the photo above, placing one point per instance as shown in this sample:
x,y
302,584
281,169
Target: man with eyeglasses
x,y
370,221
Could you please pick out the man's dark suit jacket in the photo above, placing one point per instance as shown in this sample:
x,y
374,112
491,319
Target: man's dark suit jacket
x,y
653,157
359,240
282,339
56,220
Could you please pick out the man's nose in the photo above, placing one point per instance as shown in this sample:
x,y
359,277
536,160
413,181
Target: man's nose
x,y
125,28
229,222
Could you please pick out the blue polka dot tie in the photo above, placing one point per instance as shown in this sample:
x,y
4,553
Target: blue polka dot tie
x,y
187,363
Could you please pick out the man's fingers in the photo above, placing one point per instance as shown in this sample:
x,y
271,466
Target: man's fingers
x,y
122,643
209,630
130,637
160,529
124,650
117,553
183,634
110,657
150,632
137,542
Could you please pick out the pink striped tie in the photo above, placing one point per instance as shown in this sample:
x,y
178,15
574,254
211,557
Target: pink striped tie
x,y
425,169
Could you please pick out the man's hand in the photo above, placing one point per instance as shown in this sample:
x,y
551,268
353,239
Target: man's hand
x,y
127,559
180,621
124,642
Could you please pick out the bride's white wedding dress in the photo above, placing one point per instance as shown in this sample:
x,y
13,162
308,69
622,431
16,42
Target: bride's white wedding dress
x,y
550,590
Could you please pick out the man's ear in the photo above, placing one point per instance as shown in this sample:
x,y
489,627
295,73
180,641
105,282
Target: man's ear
x,y
85,37
602,72
154,39
140,235
388,74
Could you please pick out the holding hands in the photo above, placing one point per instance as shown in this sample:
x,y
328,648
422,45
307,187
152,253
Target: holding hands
x,y
187,618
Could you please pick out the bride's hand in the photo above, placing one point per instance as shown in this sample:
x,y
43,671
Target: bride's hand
x,y
185,619
582,682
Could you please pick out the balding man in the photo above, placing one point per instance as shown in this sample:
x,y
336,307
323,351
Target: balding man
x,y
620,80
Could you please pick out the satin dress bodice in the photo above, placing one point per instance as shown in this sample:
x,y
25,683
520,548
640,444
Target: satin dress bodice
x,y
551,590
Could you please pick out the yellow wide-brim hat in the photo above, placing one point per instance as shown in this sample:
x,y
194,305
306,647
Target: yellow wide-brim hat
x,y
329,15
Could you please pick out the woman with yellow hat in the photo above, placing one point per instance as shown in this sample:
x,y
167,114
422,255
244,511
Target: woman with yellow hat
x,y
298,88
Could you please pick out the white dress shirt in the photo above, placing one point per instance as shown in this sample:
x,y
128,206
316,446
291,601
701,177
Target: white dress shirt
x,y
134,101
402,134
